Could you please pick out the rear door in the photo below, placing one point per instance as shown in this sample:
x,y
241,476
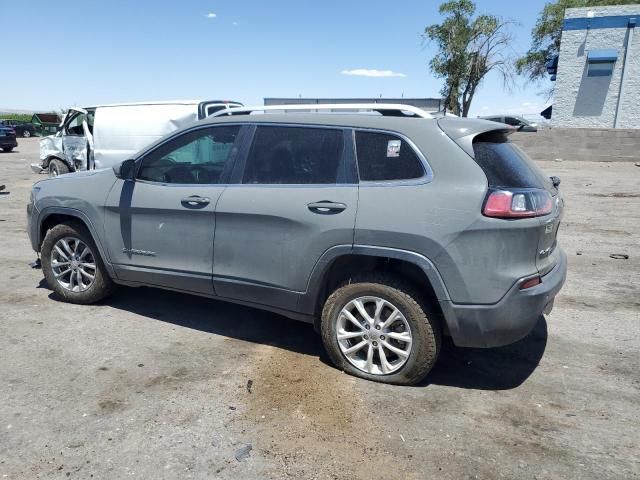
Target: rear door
x,y
160,227
547,255
508,167
295,198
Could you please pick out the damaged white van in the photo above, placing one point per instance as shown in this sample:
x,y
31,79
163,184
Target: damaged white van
x,y
104,135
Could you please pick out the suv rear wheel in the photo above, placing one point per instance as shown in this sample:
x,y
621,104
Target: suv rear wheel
x,y
381,329
72,265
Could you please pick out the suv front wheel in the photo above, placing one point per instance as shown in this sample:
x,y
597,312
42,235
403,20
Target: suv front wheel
x,y
381,329
72,265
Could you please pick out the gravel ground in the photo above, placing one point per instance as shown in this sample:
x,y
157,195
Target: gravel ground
x,y
154,384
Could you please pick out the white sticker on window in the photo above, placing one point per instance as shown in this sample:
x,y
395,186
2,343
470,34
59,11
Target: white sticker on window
x,y
393,148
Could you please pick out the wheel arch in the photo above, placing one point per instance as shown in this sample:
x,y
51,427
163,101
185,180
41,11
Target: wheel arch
x,y
339,263
50,158
52,216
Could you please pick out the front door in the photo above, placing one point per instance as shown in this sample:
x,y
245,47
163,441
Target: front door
x,y
160,227
77,139
295,198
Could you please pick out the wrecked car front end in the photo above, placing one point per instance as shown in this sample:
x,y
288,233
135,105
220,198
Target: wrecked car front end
x,y
50,148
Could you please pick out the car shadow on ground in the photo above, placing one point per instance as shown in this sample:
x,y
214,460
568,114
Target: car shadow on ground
x,y
482,369
501,368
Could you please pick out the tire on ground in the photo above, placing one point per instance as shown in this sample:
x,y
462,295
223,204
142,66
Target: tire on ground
x,y
425,326
57,167
102,285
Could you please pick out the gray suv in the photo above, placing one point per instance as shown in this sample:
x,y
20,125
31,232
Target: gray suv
x,y
385,232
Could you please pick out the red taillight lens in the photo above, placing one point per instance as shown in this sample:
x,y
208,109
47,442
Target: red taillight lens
x,y
532,282
517,204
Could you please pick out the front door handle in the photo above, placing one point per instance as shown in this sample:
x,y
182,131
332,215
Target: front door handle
x,y
195,201
326,207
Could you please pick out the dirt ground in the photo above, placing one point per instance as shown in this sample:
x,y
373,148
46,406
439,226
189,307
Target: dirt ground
x,y
153,384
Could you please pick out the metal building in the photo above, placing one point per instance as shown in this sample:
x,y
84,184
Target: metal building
x,y
598,70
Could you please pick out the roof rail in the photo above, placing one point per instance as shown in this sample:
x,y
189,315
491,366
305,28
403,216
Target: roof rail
x,y
387,109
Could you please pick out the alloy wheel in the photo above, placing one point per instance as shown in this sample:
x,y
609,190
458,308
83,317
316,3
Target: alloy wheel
x,y
73,264
374,335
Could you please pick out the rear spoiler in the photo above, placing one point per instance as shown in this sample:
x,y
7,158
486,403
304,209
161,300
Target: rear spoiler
x,y
464,130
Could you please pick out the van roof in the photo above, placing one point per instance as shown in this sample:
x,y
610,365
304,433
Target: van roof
x,y
162,102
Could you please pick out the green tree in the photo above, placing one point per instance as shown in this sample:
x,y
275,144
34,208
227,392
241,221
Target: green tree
x,y
545,36
468,49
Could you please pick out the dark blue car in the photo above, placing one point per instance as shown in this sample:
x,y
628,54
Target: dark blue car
x,y
8,139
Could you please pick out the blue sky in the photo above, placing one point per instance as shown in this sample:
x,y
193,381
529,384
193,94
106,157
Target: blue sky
x,y
87,52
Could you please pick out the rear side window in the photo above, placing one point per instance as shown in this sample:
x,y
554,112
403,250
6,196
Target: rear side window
x,y
383,157
294,155
505,165
513,121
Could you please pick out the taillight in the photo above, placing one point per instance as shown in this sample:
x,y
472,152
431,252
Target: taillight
x,y
532,282
518,203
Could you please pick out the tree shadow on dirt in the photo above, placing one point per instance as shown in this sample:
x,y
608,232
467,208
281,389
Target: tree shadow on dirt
x,y
484,369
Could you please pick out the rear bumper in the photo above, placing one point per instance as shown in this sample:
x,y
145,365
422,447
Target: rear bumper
x,y
507,321
6,142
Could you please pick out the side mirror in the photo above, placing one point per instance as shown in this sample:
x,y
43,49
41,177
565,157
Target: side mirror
x,y
555,180
521,127
126,170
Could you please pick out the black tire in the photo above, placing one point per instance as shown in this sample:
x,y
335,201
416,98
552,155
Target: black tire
x,y
57,167
423,321
102,285
7,149
26,134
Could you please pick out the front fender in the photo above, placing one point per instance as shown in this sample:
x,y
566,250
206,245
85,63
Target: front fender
x,y
76,214
50,147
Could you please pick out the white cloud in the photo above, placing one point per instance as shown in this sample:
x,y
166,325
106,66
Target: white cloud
x,y
367,72
211,15
235,24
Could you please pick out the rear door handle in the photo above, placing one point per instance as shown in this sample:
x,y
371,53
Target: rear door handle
x,y
326,207
195,201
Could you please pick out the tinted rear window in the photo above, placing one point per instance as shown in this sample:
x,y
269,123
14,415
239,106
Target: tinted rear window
x,y
506,166
294,155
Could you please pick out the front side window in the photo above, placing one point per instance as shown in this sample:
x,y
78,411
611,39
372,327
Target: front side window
x,y
294,155
383,157
74,126
200,157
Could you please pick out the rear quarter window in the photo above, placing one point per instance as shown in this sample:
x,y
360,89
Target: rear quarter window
x,y
505,165
384,157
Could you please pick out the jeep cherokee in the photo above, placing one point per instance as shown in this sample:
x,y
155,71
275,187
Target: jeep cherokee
x,y
384,231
